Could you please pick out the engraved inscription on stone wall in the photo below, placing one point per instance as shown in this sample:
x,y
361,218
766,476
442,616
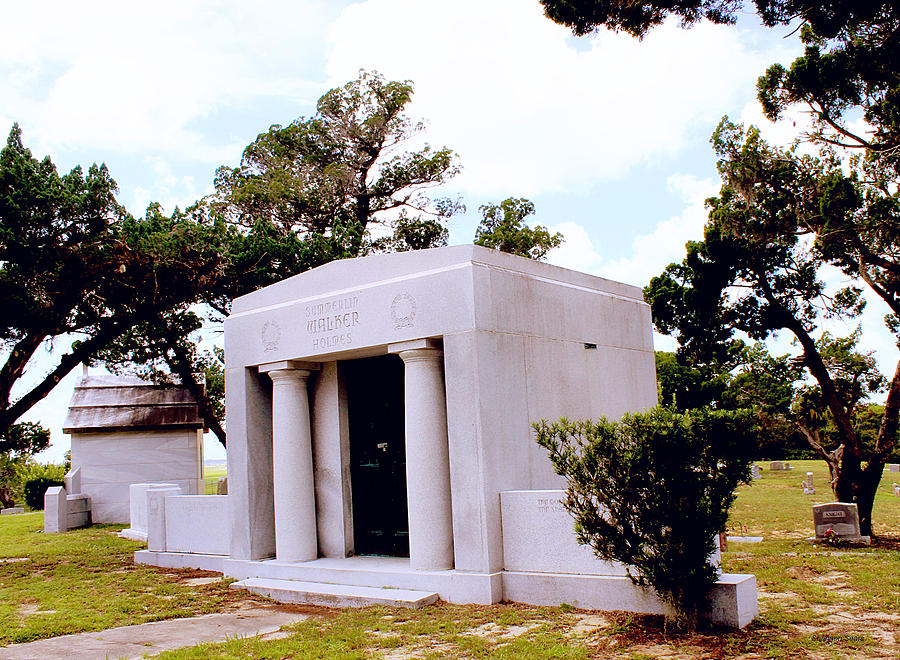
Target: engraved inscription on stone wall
x,y
330,322
549,504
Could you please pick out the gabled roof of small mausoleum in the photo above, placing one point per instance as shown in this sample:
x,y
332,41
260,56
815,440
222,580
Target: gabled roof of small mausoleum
x,y
125,403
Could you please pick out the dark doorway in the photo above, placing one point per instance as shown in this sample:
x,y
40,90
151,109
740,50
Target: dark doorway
x,y
377,455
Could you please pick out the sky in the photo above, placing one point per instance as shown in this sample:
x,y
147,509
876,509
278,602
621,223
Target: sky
x,y
607,135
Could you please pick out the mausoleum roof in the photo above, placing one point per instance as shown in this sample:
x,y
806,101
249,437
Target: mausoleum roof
x,y
125,403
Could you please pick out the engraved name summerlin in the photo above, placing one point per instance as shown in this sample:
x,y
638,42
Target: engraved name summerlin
x,y
330,322
403,311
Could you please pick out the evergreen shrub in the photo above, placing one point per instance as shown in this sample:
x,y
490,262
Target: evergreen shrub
x,y
35,489
652,491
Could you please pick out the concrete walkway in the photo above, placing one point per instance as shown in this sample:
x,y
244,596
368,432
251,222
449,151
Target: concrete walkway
x,y
152,638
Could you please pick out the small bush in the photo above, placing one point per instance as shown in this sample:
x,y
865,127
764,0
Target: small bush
x,y
35,489
652,491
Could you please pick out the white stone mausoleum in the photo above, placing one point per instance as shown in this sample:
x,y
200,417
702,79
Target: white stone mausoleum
x,y
379,418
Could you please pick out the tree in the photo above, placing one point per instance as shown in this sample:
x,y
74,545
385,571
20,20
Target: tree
x,y
76,268
503,228
780,217
303,195
778,220
653,491
333,174
18,443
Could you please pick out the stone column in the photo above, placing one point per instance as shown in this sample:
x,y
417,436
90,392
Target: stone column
x,y
427,456
293,483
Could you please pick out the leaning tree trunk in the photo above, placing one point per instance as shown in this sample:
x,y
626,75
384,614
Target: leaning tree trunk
x,y
866,489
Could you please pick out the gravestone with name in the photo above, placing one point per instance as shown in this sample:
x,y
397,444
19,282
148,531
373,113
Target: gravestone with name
x,y
838,521
379,408
776,466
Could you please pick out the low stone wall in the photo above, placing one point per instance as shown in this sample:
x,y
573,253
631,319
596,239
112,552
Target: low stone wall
x,y
172,522
198,524
545,565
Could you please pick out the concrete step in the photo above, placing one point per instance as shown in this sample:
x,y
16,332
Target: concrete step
x,y
389,572
334,595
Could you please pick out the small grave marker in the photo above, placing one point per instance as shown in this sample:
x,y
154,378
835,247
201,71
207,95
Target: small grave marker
x,y
896,489
755,472
12,510
893,467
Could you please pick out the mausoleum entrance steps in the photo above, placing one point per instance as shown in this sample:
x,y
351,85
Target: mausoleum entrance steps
x,y
375,572
334,595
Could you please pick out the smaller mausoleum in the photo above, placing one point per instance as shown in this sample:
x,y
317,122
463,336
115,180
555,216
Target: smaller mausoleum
x,y
125,430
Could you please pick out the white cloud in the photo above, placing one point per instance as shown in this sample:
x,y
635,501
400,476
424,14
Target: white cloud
x,y
651,252
133,77
505,87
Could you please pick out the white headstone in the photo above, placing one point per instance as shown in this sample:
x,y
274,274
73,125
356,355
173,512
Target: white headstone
x,y
755,472
55,510
73,481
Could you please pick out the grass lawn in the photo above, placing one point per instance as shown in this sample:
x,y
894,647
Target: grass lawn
x,y
211,474
815,601
57,584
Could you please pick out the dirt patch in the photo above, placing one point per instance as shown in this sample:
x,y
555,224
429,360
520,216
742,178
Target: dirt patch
x,y
199,581
665,651
495,631
588,624
801,573
442,649
832,579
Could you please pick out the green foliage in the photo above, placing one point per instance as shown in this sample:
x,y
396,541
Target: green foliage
x,y
503,228
412,234
24,439
34,490
652,491
778,220
332,174
29,470
303,195
74,263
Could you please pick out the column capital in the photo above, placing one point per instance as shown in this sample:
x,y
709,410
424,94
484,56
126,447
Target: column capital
x,y
288,365
421,355
416,344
